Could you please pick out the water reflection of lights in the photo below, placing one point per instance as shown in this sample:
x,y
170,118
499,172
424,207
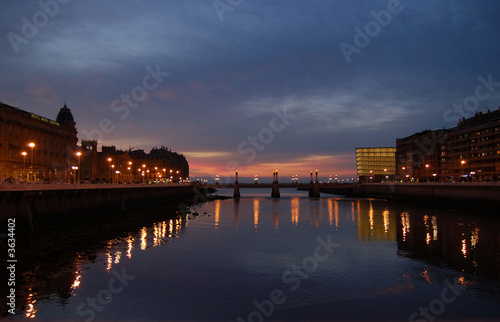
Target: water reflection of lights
x,y
118,255
130,246
294,205
370,215
276,214
428,234
256,213
217,213
76,282
30,310
336,212
405,223
330,211
425,274
144,235
315,214
170,228
464,247
474,239
110,262
385,214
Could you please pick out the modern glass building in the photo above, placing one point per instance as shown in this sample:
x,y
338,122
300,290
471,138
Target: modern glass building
x,y
376,164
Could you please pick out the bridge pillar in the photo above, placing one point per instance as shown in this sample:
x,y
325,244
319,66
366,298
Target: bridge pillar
x,y
314,189
275,193
236,193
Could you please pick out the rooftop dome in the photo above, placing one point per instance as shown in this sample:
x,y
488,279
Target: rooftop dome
x,y
64,115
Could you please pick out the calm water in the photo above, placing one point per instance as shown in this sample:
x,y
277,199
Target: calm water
x,y
292,258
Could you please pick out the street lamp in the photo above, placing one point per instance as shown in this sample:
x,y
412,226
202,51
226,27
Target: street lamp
x,y
32,146
74,169
109,172
462,168
24,160
79,154
130,171
112,167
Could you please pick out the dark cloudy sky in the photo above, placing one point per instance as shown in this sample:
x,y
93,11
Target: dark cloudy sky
x,y
254,85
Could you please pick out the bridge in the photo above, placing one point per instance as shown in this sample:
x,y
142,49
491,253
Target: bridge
x,y
314,186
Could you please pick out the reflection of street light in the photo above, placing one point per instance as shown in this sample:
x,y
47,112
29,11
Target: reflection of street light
x,y
24,160
79,154
32,146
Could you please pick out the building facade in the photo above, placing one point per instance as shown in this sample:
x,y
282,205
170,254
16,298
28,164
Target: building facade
x,y
133,166
34,148
473,149
469,151
419,156
376,164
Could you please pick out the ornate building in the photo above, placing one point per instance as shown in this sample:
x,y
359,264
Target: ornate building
x,y
132,166
34,148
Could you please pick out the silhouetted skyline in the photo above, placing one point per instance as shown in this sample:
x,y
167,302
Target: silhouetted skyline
x,y
258,86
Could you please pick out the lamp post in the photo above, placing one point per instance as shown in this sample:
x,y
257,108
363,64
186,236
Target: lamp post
x,y
32,146
24,160
75,168
462,169
130,171
109,172
79,154
112,167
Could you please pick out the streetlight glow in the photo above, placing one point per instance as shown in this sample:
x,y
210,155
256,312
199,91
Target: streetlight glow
x,y
32,146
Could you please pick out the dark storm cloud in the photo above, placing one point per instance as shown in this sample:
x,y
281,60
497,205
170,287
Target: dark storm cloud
x,y
225,77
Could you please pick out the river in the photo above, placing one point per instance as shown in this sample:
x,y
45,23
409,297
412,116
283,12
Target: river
x,y
291,259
